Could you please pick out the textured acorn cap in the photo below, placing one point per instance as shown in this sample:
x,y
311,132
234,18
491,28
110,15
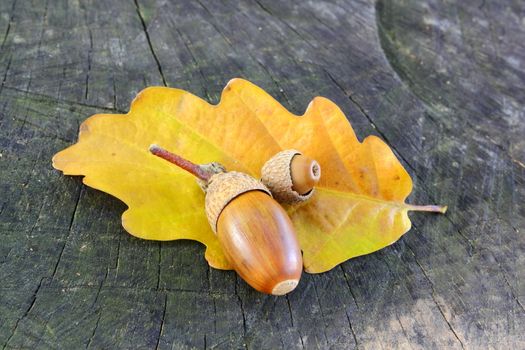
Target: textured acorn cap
x,y
276,175
223,188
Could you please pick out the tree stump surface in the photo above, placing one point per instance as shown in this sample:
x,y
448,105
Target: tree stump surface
x,y
441,82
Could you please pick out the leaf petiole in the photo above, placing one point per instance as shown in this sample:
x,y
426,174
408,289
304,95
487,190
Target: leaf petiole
x,y
429,208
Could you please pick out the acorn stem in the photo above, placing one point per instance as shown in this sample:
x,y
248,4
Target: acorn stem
x,y
183,163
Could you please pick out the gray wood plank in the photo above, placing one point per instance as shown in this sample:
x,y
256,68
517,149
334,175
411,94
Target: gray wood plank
x,y
442,83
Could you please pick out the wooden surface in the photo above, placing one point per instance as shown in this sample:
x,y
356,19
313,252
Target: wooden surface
x,y
441,82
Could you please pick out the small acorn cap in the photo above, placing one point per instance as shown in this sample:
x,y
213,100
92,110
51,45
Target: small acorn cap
x,y
291,176
223,188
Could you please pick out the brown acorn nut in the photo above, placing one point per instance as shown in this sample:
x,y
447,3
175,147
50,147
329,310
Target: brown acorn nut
x,y
291,176
255,232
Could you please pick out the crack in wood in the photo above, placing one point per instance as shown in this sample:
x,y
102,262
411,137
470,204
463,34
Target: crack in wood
x,y
159,265
345,276
241,305
39,46
26,313
5,73
292,323
90,52
50,99
322,312
161,328
8,28
256,59
186,44
66,239
150,44
511,289
285,23
24,122
404,331
352,330
94,330
433,296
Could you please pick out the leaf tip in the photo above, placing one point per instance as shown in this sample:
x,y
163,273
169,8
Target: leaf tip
x,y
55,160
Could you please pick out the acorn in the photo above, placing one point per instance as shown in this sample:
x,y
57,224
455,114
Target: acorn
x,y
291,176
255,232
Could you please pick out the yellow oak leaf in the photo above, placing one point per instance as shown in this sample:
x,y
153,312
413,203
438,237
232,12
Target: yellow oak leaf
x,y
359,204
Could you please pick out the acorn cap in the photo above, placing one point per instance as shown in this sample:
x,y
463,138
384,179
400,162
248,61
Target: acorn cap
x,y
223,188
277,176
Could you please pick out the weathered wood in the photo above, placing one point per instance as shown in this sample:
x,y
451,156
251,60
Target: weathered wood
x,y
442,83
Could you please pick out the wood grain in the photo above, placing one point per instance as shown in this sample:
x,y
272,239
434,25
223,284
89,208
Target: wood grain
x,y
441,82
